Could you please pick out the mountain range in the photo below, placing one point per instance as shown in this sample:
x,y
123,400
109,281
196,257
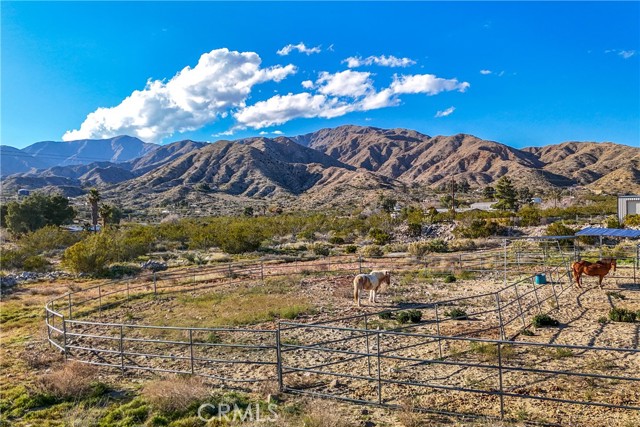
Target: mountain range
x,y
330,167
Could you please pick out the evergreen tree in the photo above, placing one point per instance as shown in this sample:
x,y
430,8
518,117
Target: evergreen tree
x,y
489,192
37,211
506,195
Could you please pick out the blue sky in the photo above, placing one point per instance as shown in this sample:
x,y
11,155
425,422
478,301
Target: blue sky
x,y
519,73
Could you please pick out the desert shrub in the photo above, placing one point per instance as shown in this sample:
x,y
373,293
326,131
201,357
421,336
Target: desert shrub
x,y
36,263
542,320
395,247
449,278
529,216
74,380
372,251
477,228
10,259
438,245
118,271
350,249
320,249
379,237
603,320
91,255
309,235
241,237
409,316
612,222
418,249
336,240
462,245
527,332
456,314
176,394
48,238
385,315
632,220
622,315
559,229
414,229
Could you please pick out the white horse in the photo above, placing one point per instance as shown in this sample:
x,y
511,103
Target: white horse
x,y
370,282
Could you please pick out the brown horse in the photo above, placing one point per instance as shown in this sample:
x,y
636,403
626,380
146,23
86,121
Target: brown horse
x,y
599,268
370,282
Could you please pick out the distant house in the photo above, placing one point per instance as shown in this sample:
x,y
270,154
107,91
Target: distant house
x,y
628,205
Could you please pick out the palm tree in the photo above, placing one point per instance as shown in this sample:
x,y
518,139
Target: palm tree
x,y
93,198
106,211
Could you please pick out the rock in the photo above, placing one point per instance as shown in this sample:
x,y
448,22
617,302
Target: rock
x,y
154,265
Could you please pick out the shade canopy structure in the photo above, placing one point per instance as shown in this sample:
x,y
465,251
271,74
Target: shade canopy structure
x,y
609,232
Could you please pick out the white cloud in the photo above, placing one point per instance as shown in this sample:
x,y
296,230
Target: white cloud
x,y
225,133
280,109
485,72
277,132
264,132
426,83
192,98
339,94
307,84
300,47
626,54
446,112
383,61
346,83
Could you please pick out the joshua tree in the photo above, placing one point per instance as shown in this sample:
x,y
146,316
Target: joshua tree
x,y
93,198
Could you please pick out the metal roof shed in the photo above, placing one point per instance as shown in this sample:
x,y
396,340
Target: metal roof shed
x,y
609,232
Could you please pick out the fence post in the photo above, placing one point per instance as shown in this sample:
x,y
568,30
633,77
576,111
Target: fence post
x,y
360,264
262,272
279,360
69,294
366,327
191,348
438,333
535,292
128,283
46,317
497,294
524,324
379,376
500,380
64,338
100,300
155,289
122,348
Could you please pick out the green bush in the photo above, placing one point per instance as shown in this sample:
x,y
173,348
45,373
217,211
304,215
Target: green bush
x,y
409,316
350,249
320,249
612,222
449,278
457,314
542,320
478,228
336,240
418,249
529,216
91,255
632,220
372,251
622,315
379,237
385,315
36,263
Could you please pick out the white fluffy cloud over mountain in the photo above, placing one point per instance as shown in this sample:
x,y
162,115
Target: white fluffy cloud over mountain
x,y
338,94
221,85
194,97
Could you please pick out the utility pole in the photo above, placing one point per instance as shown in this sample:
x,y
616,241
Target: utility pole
x,y
453,197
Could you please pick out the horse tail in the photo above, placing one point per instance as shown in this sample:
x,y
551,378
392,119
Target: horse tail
x,y
357,285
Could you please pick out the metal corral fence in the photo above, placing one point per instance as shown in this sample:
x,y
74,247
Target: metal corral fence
x,y
433,362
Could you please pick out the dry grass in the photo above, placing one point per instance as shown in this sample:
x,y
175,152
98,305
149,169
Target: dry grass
x,y
74,380
40,358
176,393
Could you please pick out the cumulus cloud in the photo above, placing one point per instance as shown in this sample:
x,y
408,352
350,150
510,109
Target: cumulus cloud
x,y
382,60
300,47
626,54
485,72
339,94
346,83
194,97
446,112
307,84
426,83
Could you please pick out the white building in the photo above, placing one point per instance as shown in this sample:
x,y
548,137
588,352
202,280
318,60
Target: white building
x,y
628,205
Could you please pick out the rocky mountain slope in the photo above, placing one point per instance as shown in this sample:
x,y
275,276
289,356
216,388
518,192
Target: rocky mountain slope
x,y
343,166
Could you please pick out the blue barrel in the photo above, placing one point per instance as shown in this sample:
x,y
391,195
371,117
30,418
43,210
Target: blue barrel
x,y
541,279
